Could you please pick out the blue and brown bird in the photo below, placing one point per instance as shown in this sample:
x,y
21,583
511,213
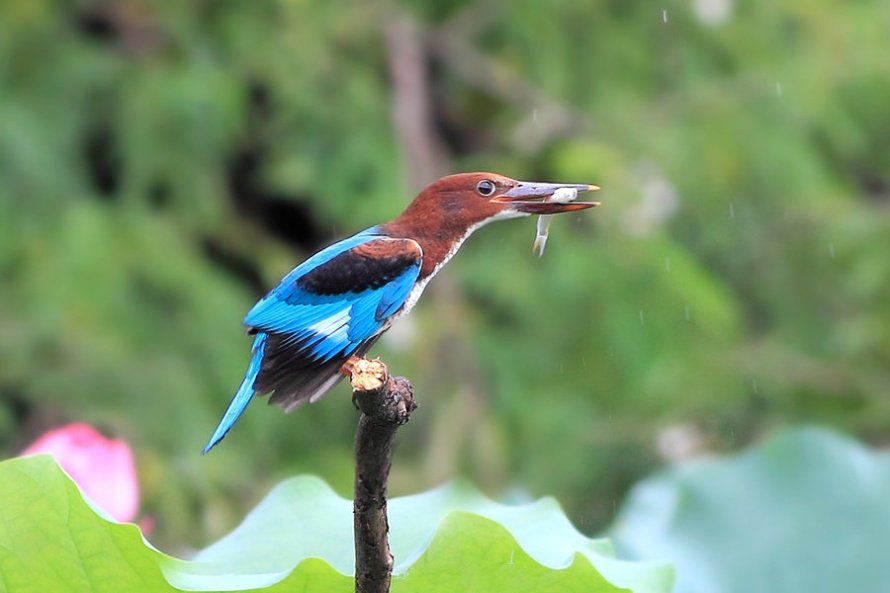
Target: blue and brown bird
x,y
337,303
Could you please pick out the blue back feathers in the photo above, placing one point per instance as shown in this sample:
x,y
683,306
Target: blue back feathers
x,y
332,305
342,295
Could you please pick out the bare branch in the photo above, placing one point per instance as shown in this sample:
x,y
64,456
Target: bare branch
x,y
386,403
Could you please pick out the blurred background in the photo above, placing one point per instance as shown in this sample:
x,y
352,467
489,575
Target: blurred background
x,y
163,164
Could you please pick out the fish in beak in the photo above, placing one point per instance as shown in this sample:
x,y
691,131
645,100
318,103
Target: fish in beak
x,y
534,198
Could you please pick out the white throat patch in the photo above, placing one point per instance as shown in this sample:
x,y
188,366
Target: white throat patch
x,y
417,290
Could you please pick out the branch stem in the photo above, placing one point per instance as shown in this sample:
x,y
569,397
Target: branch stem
x,y
385,403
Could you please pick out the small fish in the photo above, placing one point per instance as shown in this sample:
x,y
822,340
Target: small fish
x,y
563,195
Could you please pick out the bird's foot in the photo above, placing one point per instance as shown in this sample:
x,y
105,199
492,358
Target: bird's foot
x,y
347,367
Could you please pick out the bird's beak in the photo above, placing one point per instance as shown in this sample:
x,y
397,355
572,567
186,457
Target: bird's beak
x,y
525,197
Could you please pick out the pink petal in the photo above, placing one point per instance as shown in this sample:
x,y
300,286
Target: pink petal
x,y
102,468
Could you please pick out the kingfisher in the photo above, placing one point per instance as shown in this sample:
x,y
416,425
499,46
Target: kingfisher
x,y
337,304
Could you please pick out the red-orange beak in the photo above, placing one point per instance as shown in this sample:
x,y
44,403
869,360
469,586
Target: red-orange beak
x,y
524,198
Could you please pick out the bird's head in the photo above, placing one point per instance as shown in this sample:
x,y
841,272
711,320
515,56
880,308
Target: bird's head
x,y
468,200
448,210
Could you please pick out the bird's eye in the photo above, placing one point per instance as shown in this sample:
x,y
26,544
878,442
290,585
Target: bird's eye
x,y
486,187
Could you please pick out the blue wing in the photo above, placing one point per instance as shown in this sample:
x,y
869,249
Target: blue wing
x,y
340,297
333,305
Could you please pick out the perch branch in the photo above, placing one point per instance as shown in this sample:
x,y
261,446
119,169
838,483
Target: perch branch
x,y
385,403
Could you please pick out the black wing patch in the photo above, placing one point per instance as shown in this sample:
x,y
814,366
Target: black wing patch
x,y
365,267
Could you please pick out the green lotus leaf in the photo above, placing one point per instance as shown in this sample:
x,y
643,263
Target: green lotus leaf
x,y
299,538
806,511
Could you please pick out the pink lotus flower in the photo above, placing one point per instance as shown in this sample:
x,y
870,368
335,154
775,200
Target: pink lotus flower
x,y
102,468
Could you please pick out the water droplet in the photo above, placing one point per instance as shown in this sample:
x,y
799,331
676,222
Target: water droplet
x,y
755,386
731,210
778,88
686,312
664,15
667,264
535,115
642,318
831,250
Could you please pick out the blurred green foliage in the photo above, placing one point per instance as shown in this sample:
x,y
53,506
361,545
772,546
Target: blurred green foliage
x,y
162,164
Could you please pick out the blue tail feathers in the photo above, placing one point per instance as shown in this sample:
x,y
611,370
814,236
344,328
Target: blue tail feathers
x,y
242,397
